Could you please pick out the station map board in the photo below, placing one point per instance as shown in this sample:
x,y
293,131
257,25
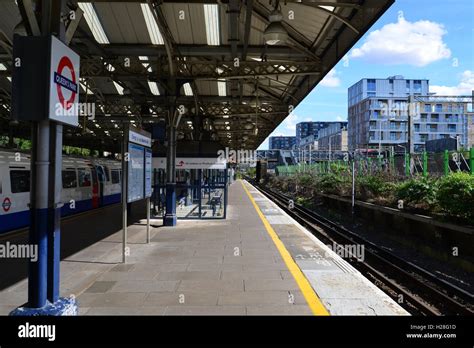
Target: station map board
x,y
139,166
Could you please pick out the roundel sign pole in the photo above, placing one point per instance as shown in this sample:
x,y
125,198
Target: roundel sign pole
x,y
45,90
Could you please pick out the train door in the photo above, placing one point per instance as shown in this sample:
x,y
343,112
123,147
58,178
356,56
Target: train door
x,y
95,189
101,183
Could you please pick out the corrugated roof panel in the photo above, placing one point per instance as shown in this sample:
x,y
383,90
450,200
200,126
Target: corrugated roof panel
x,y
307,20
105,85
257,28
209,88
191,29
224,24
123,22
9,17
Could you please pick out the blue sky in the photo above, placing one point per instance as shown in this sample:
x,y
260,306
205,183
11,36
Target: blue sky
x,y
425,39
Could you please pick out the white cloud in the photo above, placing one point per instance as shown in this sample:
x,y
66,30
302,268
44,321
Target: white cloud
x,y
288,126
415,43
465,86
340,118
331,79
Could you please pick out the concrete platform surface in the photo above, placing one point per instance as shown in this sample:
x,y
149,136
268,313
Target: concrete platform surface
x,y
216,267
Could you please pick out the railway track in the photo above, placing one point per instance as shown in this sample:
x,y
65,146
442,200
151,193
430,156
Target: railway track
x,y
416,289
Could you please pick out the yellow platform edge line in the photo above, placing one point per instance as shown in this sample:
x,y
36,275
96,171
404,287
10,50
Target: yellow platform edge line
x,y
310,296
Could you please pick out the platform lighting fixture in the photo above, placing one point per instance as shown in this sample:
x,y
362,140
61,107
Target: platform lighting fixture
x,y
221,88
146,63
86,87
225,116
153,30
211,16
153,88
187,89
275,33
93,22
4,68
118,88
110,67
329,8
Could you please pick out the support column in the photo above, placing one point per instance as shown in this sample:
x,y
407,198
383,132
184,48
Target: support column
x,y
37,271
170,216
54,229
45,199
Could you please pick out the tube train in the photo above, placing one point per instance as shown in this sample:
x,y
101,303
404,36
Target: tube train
x,y
86,184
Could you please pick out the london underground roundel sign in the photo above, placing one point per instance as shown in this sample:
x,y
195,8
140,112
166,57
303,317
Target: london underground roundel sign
x,y
63,84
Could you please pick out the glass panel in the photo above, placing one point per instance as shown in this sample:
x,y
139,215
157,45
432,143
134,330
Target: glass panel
x,y
20,181
84,178
186,205
69,178
212,202
115,176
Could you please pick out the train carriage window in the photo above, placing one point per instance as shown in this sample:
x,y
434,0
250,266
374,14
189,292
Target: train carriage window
x,y
84,178
20,181
115,176
69,178
107,173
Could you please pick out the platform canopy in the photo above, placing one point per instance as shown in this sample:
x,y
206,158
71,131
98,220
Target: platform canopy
x,y
237,67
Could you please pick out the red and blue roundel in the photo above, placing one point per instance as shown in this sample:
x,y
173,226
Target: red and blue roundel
x,y
62,82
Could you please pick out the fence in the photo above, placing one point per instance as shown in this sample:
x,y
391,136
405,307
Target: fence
x,y
404,165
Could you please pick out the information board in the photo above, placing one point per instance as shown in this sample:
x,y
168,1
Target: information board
x,y
136,168
148,169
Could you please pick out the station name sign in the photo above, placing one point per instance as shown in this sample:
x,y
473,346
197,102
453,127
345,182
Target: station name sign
x,y
192,163
140,139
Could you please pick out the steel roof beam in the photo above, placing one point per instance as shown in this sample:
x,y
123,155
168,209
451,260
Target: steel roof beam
x,y
197,69
234,12
161,100
128,50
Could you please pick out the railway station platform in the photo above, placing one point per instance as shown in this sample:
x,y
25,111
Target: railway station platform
x,y
258,261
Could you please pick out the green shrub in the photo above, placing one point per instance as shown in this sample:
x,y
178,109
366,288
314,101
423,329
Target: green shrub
x,y
371,185
334,184
304,201
418,192
455,195
305,180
